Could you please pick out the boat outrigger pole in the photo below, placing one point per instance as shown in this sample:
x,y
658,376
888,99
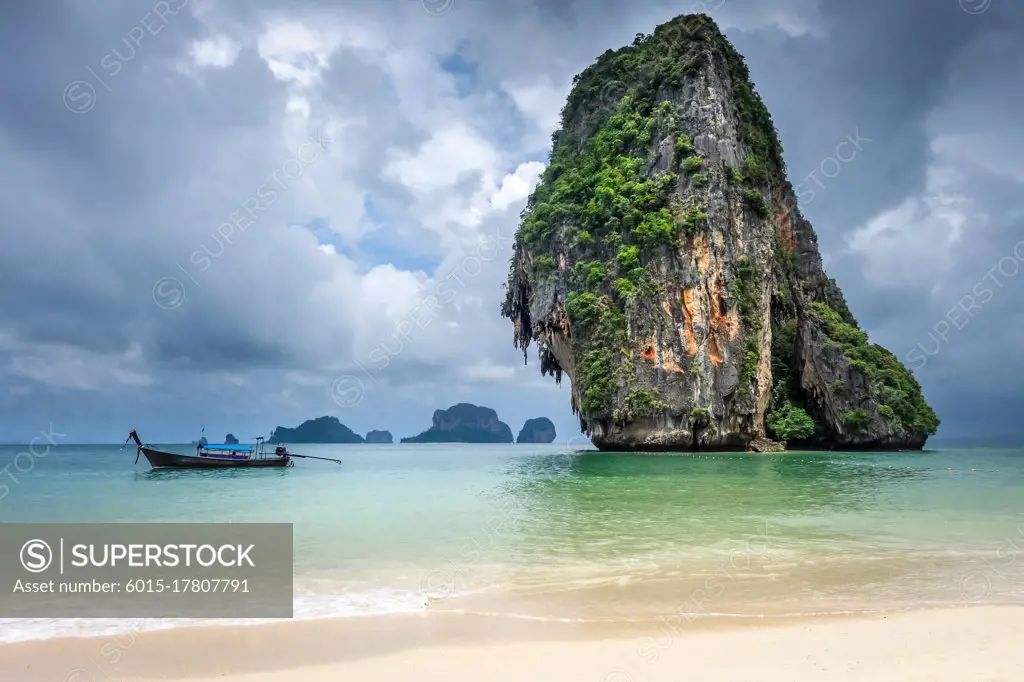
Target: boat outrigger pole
x,y
326,459
282,450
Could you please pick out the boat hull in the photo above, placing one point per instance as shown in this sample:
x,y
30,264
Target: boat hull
x,y
170,460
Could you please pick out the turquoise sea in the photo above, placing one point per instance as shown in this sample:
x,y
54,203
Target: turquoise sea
x,y
548,532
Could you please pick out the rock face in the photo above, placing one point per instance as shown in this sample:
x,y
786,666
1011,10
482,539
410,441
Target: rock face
x,y
230,439
765,445
663,265
539,430
465,423
379,437
319,430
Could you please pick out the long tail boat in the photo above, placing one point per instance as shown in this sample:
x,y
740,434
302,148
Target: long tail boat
x,y
212,456
218,456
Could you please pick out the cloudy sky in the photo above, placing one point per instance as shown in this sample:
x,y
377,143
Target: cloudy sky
x,y
244,213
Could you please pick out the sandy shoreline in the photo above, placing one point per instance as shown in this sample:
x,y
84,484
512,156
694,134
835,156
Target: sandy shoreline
x,y
959,645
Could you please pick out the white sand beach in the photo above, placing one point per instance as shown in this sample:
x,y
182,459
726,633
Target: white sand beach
x,y
981,644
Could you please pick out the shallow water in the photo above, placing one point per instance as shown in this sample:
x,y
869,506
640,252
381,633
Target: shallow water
x,y
545,532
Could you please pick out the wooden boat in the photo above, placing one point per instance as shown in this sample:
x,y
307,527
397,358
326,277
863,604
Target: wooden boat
x,y
218,456
213,456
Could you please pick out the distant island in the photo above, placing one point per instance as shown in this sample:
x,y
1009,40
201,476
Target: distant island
x,y
319,430
465,423
379,437
230,439
539,430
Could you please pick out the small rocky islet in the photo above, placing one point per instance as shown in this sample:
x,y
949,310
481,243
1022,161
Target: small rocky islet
x,y
324,429
465,423
663,265
461,423
537,430
379,437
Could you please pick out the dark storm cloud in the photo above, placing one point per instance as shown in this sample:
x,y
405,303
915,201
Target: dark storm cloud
x,y
879,70
62,52
124,166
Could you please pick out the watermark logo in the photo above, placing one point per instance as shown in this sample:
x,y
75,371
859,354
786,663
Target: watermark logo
x,y
160,570
733,570
438,584
347,390
504,524
169,292
831,166
25,461
36,556
79,97
974,587
438,8
612,92
975,6
961,314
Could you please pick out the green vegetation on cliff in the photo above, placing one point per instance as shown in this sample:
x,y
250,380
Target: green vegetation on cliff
x,y
746,302
601,197
892,385
791,423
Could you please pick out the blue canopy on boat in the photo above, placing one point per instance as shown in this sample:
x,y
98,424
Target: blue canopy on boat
x,y
229,448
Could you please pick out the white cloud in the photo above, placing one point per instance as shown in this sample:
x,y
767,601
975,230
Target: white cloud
x,y
391,293
305,379
516,187
994,153
219,52
296,53
911,244
487,370
541,102
441,160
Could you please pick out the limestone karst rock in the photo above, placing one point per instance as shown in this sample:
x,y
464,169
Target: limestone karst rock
x,y
537,430
379,437
662,263
464,423
324,429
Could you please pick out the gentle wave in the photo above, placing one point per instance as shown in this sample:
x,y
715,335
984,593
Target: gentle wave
x,y
372,602
350,606
920,606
